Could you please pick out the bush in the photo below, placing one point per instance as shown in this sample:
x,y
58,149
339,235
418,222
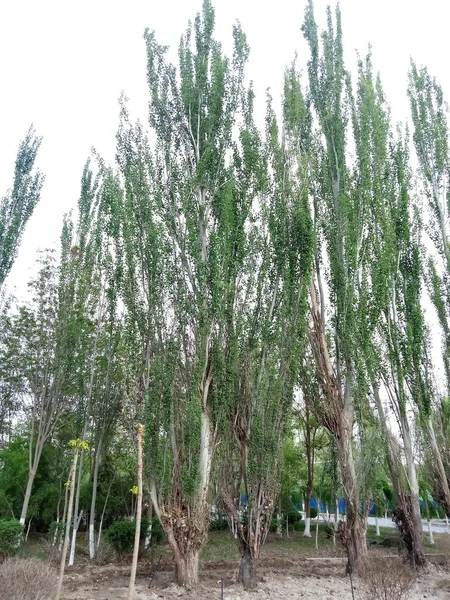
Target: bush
x,y
298,526
157,531
294,516
219,524
11,533
313,512
386,579
121,534
26,579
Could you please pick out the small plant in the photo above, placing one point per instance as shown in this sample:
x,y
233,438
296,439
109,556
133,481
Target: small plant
x,y
386,579
121,535
26,579
56,532
313,512
11,533
219,524
293,516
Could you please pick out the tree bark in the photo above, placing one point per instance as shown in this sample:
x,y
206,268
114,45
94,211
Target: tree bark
x,y
418,556
247,570
69,518
186,569
137,534
444,490
353,531
148,535
94,498
26,500
338,419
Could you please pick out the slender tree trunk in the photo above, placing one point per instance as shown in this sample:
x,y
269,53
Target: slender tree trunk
x,y
76,516
94,497
377,525
69,518
28,528
100,527
410,527
148,536
247,570
137,534
440,470
26,500
31,476
309,482
64,517
418,557
430,529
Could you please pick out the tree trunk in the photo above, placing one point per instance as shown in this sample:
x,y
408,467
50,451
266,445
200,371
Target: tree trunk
x,y
100,527
417,555
94,498
430,529
69,518
353,531
186,569
307,532
377,525
76,516
148,535
31,477
440,470
247,570
137,535
64,517
309,485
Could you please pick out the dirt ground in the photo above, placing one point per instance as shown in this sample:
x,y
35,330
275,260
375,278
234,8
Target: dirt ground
x,y
284,578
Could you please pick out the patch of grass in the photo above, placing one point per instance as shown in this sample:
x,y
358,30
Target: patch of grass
x,y
221,546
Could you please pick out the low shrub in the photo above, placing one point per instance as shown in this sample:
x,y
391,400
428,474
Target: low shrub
x,y
11,533
157,531
219,524
121,534
298,526
27,579
313,512
273,525
386,579
294,516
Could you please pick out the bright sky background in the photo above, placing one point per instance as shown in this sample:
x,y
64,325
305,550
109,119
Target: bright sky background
x,y
64,64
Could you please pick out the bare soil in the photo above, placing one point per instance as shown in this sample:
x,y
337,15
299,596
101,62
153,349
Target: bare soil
x,y
283,578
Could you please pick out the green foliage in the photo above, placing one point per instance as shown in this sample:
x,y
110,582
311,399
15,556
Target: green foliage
x,y
11,533
293,516
17,206
121,534
219,524
313,512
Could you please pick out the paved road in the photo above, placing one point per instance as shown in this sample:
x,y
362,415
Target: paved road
x,y
437,525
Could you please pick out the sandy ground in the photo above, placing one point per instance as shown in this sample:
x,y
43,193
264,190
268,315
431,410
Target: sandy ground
x,y
319,579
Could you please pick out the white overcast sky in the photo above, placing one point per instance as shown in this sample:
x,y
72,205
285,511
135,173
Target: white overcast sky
x,y
64,64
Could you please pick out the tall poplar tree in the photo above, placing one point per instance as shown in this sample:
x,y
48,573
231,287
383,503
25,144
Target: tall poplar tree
x,y
17,206
266,336
431,140
340,213
182,236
